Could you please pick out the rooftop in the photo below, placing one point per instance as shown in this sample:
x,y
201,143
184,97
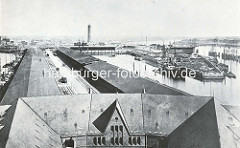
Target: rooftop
x,y
174,117
129,84
78,56
27,81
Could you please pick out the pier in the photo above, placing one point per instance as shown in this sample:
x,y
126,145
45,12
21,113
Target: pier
x,y
113,83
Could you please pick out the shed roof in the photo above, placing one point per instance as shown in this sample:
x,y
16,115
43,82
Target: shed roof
x,y
130,84
78,56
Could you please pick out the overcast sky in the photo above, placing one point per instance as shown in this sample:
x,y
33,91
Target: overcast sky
x,y
121,18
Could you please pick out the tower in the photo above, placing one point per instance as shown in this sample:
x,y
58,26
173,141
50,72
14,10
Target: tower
x,y
89,33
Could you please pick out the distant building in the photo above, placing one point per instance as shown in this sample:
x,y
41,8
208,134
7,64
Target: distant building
x,y
93,49
6,39
181,50
89,33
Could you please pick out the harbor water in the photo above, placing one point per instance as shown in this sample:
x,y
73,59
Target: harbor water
x,y
227,91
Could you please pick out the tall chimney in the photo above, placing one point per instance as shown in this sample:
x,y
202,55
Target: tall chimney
x,y
89,33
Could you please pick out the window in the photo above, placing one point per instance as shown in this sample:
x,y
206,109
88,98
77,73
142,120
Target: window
x,y
99,140
95,140
186,114
112,128
116,141
139,140
167,112
112,141
75,124
103,140
117,135
130,140
121,140
134,140
121,128
131,110
149,112
116,128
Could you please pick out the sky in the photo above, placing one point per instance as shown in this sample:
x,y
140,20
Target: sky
x,y
121,18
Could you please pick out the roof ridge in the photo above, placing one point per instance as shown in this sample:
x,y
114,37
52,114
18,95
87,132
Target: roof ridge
x,y
118,107
39,116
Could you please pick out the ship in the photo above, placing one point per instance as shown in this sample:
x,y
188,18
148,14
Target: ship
x,y
173,72
212,53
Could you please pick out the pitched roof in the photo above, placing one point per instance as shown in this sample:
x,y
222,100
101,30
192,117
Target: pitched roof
x,y
213,124
200,130
128,107
28,77
26,83
6,122
184,120
29,130
102,121
156,114
164,113
68,115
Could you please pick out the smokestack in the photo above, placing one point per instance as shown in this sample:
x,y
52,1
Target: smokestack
x,y
89,33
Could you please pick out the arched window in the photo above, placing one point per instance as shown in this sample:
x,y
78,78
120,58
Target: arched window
x,y
121,140
99,140
130,140
134,140
112,141
139,140
95,140
112,128
116,141
131,110
121,128
116,128
103,140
